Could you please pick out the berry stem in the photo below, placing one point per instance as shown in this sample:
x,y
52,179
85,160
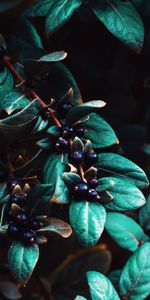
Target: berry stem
x,y
82,173
8,62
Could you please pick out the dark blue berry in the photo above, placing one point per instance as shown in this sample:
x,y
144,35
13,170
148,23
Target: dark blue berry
x,y
13,231
22,219
67,132
75,158
63,109
36,224
15,199
93,195
80,190
79,130
90,158
62,145
93,182
29,237
12,183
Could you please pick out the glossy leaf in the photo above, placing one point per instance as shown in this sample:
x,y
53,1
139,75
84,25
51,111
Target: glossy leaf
x,y
122,20
6,80
126,196
144,214
104,184
134,281
10,290
71,179
99,132
87,221
57,226
125,231
83,110
59,13
22,261
119,166
52,173
13,100
80,298
114,277
100,287
38,9
53,57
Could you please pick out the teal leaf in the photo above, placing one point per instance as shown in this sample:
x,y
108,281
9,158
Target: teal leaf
x,y
122,20
10,290
38,198
144,215
13,100
59,13
82,110
80,298
3,229
87,221
104,184
52,173
114,277
57,226
22,261
125,231
71,179
19,123
8,4
142,5
77,145
99,132
134,281
119,166
53,57
100,287
39,9
29,39
6,80
126,196
40,125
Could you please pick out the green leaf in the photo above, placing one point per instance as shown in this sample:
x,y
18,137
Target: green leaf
x,y
8,4
142,5
59,13
144,214
52,173
125,231
29,39
101,287
22,261
19,123
77,145
6,80
12,101
114,277
119,166
126,196
134,281
39,9
10,290
122,20
38,198
80,298
71,179
53,57
104,184
82,110
57,226
87,220
99,132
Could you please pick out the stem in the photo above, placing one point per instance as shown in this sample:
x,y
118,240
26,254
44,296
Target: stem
x,y
82,173
54,118
7,61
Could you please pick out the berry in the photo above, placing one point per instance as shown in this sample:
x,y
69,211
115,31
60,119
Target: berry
x,y
12,183
80,190
93,195
2,52
22,219
15,199
63,108
36,224
93,182
75,158
29,237
79,130
13,231
90,158
62,145
67,132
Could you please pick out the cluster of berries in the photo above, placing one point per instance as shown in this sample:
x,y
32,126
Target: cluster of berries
x,y
21,226
83,190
